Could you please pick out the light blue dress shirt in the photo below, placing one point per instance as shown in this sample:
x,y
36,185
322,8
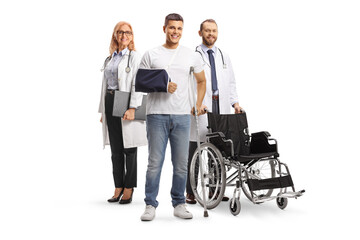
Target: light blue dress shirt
x,y
111,70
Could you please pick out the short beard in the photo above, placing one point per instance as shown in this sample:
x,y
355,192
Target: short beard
x,y
207,43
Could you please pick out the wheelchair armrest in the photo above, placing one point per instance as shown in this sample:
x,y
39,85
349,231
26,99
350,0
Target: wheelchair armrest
x,y
260,143
224,145
215,134
261,134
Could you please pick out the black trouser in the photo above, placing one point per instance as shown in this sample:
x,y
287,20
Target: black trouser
x,y
124,160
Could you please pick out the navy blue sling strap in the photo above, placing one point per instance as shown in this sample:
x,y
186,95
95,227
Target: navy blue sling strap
x,y
153,80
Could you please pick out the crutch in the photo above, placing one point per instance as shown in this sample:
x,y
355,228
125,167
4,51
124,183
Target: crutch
x,y
191,82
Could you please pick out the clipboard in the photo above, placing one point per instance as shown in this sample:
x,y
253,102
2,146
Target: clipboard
x,y
121,105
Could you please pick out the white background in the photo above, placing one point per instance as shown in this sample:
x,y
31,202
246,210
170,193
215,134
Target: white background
x,y
296,63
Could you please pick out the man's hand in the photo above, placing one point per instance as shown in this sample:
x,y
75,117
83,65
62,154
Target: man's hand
x,y
238,109
129,114
172,87
201,110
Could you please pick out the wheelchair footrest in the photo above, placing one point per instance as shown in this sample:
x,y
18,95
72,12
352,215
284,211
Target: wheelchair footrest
x,y
292,194
283,195
270,183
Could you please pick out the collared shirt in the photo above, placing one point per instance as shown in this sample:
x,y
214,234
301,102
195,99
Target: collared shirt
x,y
111,70
205,49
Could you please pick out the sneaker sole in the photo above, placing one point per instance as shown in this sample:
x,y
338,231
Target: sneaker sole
x,y
189,217
147,219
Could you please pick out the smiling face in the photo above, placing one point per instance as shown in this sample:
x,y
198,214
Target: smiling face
x,y
123,36
173,32
209,33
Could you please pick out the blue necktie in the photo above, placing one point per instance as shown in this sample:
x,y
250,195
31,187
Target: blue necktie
x,y
213,70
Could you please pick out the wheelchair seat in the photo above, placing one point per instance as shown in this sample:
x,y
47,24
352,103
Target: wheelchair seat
x,y
245,158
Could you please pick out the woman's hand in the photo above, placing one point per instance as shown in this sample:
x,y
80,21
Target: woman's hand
x,y
129,114
101,119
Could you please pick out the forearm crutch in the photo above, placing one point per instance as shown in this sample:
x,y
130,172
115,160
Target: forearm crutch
x,y
191,82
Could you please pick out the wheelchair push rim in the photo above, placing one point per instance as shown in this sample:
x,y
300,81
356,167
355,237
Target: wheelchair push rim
x,y
214,175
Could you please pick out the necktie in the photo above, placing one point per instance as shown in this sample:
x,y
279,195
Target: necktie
x,y
213,70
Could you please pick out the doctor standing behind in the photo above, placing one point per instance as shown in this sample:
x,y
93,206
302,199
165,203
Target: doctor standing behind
x,y
221,94
123,134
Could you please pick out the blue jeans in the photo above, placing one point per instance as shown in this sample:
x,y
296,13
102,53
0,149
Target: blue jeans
x,y
161,128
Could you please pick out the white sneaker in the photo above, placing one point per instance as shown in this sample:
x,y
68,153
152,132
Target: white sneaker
x,y
149,213
181,212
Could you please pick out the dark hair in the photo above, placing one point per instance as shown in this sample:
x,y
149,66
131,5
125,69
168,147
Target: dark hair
x,y
207,20
174,17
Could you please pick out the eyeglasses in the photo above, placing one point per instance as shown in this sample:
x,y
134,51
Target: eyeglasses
x,y
127,33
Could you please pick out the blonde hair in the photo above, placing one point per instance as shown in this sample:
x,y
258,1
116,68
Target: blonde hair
x,y
114,45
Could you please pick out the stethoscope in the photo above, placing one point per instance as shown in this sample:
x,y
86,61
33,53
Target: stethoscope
x,y
222,56
127,69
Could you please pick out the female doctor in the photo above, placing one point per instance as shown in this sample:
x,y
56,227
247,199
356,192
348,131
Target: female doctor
x,y
124,134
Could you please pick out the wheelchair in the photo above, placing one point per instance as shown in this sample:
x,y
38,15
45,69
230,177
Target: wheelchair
x,y
233,157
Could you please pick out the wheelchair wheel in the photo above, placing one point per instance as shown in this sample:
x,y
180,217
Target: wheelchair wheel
x,y
262,169
214,175
235,210
281,202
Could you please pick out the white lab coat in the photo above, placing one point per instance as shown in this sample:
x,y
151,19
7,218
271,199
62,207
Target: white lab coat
x,y
134,132
227,91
